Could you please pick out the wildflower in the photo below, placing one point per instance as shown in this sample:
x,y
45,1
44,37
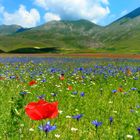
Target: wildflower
x,y
129,136
82,94
138,106
120,89
96,123
114,111
41,96
57,135
31,129
62,77
111,120
33,82
42,110
138,130
68,117
75,92
131,110
43,81
110,102
60,111
114,91
23,93
53,94
69,87
47,127
78,117
133,88
74,129
128,72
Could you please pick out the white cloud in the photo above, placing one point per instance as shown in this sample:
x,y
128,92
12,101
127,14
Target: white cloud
x,y
21,17
50,16
124,12
93,10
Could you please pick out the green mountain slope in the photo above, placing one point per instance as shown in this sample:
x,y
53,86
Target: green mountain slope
x,y
121,36
9,29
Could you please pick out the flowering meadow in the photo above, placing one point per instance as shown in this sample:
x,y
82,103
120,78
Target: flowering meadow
x,y
69,98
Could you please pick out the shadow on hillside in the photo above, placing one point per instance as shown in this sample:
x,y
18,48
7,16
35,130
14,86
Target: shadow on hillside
x,y
35,50
1,51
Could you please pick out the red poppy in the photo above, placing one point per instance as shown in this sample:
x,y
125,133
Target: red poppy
x,y
2,78
120,89
42,110
69,87
62,78
33,82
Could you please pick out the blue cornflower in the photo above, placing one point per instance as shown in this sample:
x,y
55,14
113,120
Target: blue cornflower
x,y
75,92
41,96
114,91
133,88
96,123
138,106
44,80
78,117
47,127
131,110
12,77
135,78
138,130
53,94
23,93
82,94
111,120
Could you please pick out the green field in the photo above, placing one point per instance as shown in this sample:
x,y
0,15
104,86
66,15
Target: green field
x,y
101,88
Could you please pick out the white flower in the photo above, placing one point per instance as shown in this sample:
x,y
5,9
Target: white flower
x,y
110,102
57,135
31,129
60,111
22,125
74,129
114,111
129,136
68,117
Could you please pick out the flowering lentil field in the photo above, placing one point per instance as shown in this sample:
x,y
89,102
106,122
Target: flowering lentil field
x,y
69,99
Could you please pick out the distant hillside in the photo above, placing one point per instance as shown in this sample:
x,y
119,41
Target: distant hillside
x,y
121,36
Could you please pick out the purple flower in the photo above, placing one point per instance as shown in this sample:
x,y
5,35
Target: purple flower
x,y
47,127
138,106
114,91
75,92
138,130
111,120
133,88
82,94
96,123
53,94
23,93
43,81
78,117
131,110
41,96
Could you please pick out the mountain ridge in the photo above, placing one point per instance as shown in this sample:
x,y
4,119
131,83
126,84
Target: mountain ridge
x,y
121,35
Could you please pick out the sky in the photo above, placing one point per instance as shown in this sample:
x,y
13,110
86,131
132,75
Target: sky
x,y
31,13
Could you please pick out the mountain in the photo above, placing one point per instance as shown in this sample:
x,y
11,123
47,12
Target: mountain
x,y
9,29
121,36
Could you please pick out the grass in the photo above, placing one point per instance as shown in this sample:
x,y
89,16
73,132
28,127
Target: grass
x,y
96,78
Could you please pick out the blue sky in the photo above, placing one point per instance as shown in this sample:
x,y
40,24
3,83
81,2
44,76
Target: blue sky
x,y
30,13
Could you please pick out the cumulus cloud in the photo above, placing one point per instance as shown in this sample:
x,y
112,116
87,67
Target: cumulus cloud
x,y
93,10
50,16
21,17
